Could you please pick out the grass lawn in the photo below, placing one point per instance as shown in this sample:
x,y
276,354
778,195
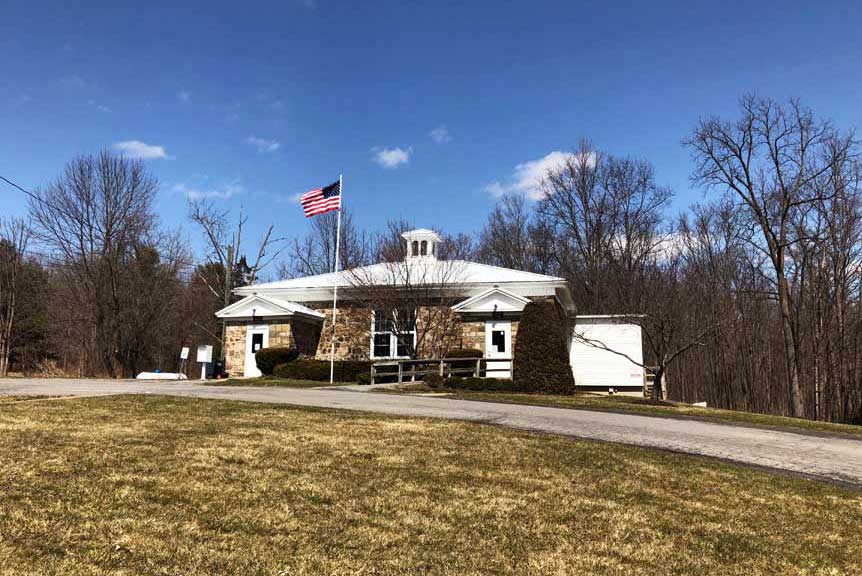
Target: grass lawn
x,y
272,381
155,485
640,406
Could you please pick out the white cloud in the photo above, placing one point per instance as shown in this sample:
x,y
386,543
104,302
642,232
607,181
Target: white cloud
x,y
138,149
440,134
184,96
527,177
295,198
392,157
262,144
223,192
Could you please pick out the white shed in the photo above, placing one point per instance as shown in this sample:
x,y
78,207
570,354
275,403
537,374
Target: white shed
x,y
594,367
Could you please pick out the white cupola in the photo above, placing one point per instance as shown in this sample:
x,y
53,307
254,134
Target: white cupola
x,y
421,243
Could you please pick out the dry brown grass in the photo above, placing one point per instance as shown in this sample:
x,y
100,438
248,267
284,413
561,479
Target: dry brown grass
x,y
148,485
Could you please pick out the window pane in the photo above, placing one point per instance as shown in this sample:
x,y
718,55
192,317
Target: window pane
x,y
406,320
404,343
498,340
382,322
381,345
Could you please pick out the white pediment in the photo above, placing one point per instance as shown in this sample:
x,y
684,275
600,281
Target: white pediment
x,y
492,300
257,306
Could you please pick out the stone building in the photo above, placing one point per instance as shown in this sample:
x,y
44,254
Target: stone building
x,y
422,306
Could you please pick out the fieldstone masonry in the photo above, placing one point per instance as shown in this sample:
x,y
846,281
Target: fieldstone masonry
x,y
352,335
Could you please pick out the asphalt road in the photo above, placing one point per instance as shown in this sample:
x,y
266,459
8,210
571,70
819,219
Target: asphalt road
x,y
824,457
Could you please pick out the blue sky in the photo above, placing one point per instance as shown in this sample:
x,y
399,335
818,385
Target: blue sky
x,y
423,105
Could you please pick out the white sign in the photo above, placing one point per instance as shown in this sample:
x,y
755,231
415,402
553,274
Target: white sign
x,y
205,353
184,353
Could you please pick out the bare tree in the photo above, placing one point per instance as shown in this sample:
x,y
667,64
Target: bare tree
x,y
225,240
771,159
411,297
314,253
606,214
96,217
14,236
515,238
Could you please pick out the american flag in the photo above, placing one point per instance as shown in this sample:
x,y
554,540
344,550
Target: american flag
x,y
322,200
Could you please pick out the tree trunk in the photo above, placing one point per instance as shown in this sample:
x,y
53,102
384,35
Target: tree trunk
x,y
658,383
794,392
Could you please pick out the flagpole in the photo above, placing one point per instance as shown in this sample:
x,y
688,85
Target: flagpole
x,y
335,280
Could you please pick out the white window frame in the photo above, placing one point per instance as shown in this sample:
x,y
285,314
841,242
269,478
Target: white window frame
x,y
393,341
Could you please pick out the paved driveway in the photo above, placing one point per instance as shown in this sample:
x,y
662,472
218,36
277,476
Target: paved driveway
x,y
832,458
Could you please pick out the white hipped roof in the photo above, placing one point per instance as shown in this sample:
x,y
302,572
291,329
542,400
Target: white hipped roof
x,y
470,277
467,279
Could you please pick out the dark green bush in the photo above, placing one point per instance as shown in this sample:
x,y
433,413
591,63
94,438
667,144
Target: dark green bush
x,y
465,353
476,384
454,382
304,369
541,360
434,380
268,358
466,366
363,378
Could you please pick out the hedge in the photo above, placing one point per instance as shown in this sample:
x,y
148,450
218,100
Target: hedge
x,y
471,383
464,353
268,358
541,360
303,369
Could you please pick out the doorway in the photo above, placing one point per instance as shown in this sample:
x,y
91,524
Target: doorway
x,y
256,337
498,344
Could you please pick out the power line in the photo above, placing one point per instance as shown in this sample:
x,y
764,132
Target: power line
x,y
35,197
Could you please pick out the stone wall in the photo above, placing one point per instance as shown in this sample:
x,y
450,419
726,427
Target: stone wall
x,y
280,334
439,330
234,349
306,335
352,332
473,334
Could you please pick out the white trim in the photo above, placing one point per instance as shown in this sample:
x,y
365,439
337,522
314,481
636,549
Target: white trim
x,y
469,302
393,342
237,310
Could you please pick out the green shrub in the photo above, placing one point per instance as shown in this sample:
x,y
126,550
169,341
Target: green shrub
x,y
465,353
477,384
305,369
455,382
474,383
541,360
469,356
363,378
268,358
434,380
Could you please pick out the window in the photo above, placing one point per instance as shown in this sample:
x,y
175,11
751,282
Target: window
x,y
416,248
424,251
393,334
498,341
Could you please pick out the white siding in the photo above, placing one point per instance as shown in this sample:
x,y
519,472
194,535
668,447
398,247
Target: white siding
x,y
595,367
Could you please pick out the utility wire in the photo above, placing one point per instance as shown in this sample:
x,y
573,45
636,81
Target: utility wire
x,y
35,197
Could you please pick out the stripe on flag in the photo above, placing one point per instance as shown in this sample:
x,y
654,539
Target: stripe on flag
x,y
321,200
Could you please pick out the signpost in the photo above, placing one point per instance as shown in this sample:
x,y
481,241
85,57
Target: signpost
x,y
184,356
205,356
